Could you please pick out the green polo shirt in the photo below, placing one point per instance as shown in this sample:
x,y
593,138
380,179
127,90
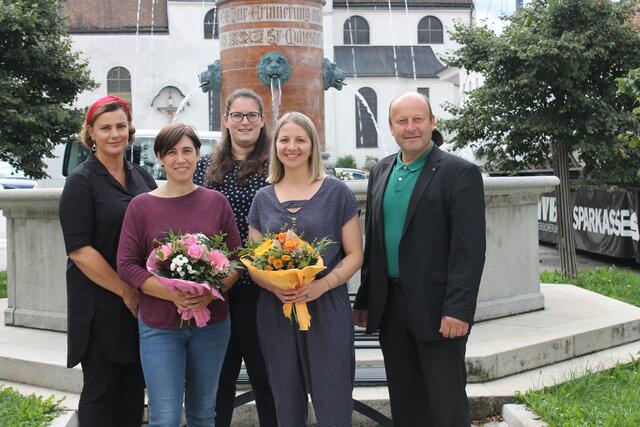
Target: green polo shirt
x,y
401,182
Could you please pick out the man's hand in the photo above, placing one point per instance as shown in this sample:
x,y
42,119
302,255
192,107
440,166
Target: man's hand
x,y
360,317
451,327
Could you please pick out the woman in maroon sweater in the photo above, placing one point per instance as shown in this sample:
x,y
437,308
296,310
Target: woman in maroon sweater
x,y
177,358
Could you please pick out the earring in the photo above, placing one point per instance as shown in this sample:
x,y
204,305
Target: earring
x,y
93,147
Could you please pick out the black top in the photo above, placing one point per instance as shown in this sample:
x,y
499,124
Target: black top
x,y
92,207
240,198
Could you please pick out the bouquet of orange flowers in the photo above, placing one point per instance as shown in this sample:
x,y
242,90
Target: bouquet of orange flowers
x,y
286,261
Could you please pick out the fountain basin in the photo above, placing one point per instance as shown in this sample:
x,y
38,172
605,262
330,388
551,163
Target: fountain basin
x,y
36,259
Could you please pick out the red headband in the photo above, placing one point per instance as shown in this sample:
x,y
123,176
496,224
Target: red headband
x,y
108,100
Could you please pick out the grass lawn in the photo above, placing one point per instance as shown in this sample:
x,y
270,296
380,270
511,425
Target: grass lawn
x,y
27,411
608,398
618,283
3,284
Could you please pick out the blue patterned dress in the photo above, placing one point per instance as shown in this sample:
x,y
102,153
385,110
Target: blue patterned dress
x,y
321,361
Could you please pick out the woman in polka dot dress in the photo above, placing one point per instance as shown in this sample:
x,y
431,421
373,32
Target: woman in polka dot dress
x,y
238,169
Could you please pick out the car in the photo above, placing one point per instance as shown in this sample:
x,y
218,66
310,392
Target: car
x,y
348,174
140,153
10,178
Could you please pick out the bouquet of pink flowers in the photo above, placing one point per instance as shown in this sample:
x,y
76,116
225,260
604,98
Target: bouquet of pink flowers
x,y
192,263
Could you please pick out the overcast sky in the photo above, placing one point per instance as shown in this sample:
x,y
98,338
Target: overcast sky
x,y
490,10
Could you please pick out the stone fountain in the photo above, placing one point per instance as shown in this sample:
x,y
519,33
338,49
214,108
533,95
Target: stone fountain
x,y
276,50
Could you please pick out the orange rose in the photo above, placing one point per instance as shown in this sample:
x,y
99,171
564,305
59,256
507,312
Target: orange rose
x,y
277,263
282,237
268,268
290,266
271,259
286,258
290,245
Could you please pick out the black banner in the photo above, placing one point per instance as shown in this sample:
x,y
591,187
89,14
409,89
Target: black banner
x,y
604,222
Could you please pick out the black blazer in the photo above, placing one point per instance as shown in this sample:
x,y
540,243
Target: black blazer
x,y
442,249
92,207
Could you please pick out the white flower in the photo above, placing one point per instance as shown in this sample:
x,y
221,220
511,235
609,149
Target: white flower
x,y
181,273
173,266
179,270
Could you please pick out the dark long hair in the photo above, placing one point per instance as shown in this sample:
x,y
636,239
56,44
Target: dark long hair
x,y
222,159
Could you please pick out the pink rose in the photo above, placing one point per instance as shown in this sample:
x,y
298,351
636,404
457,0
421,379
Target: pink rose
x,y
196,251
163,252
166,250
218,259
189,239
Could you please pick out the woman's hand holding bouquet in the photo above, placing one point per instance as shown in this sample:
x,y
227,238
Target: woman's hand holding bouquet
x,y
287,266
196,268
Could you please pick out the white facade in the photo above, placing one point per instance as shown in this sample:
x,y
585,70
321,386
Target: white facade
x,y
177,57
156,61
398,27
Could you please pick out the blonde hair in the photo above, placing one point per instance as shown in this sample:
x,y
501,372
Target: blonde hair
x,y
276,168
85,138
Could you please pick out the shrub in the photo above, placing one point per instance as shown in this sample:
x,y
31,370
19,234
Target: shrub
x,y
28,411
346,162
3,284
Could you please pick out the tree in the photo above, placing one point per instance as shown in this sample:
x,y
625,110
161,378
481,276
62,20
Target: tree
x,y
550,89
40,78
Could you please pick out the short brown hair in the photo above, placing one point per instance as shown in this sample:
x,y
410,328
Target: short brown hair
x,y
276,168
170,135
84,136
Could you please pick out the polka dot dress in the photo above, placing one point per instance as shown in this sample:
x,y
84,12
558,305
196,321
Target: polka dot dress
x,y
240,198
319,362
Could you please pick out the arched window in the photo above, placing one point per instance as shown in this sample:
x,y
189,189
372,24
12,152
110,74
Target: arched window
x,y
366,134
211,24
430,30
356,30
119,83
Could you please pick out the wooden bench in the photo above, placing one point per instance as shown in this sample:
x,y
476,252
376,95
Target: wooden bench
x,y
364,376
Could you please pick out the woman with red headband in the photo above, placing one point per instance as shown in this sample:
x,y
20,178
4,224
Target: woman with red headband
x,y
102,328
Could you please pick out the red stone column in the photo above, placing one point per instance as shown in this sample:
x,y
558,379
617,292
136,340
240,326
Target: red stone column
x,y
251,28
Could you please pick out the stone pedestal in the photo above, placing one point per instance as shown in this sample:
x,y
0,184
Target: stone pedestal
x,y
511,278
249,29
36,259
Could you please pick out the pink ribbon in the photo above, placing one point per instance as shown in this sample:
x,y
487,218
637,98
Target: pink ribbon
x,y
201,315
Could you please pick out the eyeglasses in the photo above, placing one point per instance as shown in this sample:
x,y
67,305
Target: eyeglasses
x,y
252,117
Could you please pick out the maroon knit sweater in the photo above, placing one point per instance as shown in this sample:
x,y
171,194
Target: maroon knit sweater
x,y
150,217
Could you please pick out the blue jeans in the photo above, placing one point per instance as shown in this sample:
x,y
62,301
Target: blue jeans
x,y
183,361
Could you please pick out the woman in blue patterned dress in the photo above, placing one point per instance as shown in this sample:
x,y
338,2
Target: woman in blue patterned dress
x,y
321,361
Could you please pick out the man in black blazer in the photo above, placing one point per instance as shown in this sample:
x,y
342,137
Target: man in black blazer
x,y
423,260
